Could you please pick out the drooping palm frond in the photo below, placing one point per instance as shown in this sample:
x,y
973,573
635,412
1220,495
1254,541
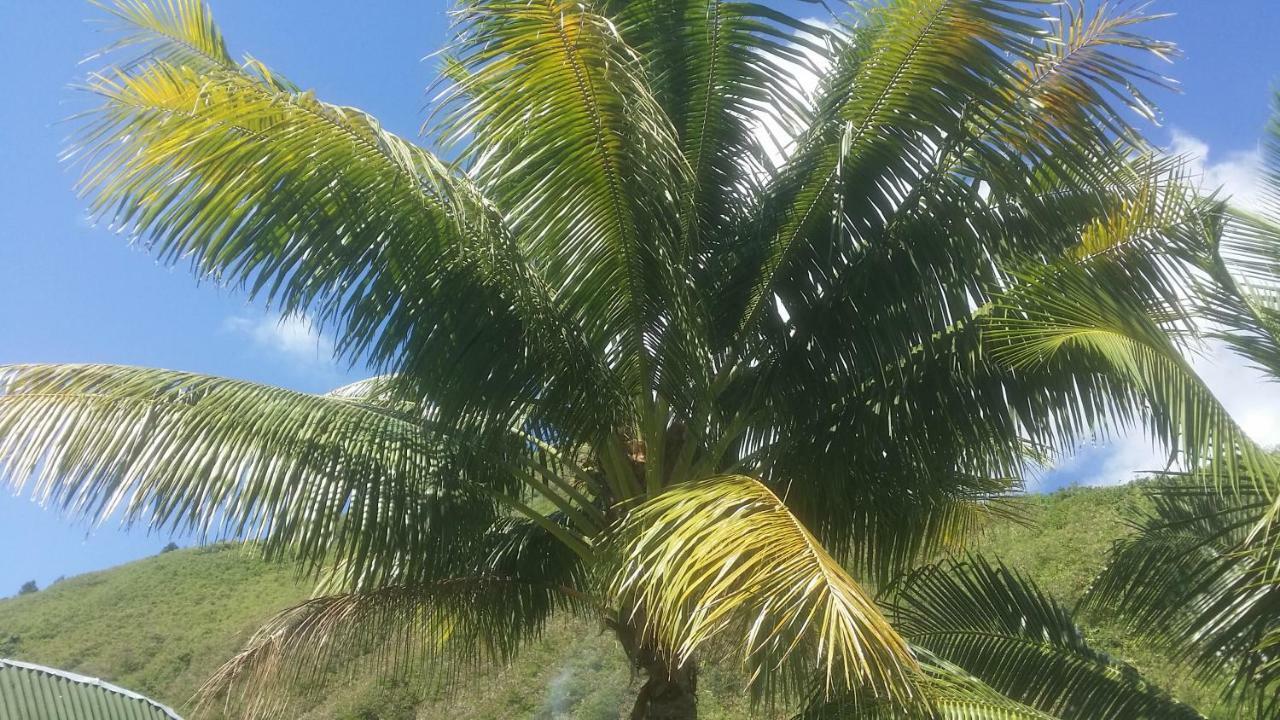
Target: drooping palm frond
x,y
478,610
444,627
724,555
1088,315
1245,302
318,478
1196,580
1199,575
1001,628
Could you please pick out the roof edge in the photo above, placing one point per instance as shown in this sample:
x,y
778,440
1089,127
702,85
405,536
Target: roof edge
x,y
86,680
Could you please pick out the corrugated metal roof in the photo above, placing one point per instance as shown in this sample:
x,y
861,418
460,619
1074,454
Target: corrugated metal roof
x,y
34,692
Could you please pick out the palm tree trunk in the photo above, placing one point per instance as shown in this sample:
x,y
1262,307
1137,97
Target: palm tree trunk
x,y
668,693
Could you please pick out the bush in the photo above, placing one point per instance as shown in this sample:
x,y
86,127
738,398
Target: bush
x,y
28,587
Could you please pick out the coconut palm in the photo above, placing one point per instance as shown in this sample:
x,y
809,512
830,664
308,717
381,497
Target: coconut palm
x,y
666,335
1201,576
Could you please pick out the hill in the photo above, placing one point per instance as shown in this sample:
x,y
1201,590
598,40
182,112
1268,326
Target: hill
x,y
160,626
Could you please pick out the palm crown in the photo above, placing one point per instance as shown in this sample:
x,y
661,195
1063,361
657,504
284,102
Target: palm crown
x,y
670,338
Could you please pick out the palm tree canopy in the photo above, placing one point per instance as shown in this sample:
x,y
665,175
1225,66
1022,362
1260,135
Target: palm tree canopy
x,y
696,340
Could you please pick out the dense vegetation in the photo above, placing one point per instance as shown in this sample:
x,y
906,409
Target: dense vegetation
x,y
162,625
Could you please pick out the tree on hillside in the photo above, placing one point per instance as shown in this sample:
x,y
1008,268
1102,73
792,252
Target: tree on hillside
x,y
674,340
28,588
1201,577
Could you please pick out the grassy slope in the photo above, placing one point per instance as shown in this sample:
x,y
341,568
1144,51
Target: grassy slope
x,y
161,625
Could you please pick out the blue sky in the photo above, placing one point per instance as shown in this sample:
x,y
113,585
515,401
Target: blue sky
x,y
71,292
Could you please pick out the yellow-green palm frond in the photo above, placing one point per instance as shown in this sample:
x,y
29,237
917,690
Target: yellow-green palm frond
x,y
321,210
1002,629
179,31
723,559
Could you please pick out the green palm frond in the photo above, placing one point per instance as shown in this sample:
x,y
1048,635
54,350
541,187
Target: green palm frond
x,y
933,56
1198,577
318,478
478,607
723,557
1197,581
1245,302
1088,315
562,130
721,70
1001,628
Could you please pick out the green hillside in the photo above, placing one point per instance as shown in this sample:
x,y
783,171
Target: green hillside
x,y
161,625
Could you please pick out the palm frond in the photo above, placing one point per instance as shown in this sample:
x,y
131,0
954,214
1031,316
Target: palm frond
x,y
181,31
1088,314
932,56
1001,628
322,211
947,692
724,558
559,126
1198,577
1245,301
445,627
321,479
722,71
1196,581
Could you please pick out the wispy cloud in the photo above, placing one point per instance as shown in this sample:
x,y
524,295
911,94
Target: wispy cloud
x,y
292,337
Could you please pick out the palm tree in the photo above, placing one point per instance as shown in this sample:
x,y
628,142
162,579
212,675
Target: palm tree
x,y
1201,576
671,339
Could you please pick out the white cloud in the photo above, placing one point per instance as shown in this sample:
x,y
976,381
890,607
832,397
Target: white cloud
x,y
1251,397
293,337
1108,462
1238,175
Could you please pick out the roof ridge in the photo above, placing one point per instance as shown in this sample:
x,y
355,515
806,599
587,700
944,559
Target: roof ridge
x,y
86,680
